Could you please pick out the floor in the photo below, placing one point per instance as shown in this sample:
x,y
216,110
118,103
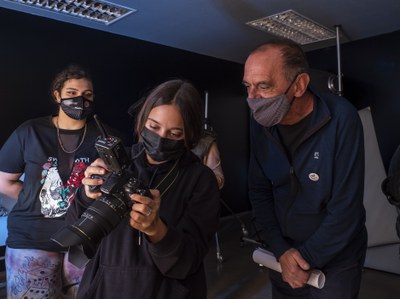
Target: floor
x,y
238,277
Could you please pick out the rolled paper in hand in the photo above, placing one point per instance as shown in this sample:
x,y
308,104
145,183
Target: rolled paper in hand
x,y
267,259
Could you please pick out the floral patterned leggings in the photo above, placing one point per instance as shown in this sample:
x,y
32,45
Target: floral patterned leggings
x,y
33,273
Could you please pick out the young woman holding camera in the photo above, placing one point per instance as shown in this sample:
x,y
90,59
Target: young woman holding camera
x,y
157,250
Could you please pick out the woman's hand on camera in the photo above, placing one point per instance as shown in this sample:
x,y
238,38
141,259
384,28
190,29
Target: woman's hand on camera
x,y
145,216
94,178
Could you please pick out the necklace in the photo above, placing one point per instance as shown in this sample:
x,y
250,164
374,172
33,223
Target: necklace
x,y
61,143
170,182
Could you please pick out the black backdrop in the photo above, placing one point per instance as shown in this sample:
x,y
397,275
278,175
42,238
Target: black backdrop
x,y
371,77
33,49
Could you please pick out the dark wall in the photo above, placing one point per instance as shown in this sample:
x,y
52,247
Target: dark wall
x,y
33,49
371,77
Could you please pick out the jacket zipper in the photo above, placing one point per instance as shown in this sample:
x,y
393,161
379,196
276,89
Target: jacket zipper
x,y
293,178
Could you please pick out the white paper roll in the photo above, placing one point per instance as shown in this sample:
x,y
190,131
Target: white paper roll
x,y
267,259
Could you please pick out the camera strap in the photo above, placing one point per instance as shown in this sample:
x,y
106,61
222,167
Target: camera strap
x,y
169,179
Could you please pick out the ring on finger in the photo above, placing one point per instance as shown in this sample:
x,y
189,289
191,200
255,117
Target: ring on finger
x,y
149,212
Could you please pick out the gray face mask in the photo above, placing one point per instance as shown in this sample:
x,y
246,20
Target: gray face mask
x,y
269,112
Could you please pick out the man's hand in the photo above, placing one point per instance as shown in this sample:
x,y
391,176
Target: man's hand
x,y
294,268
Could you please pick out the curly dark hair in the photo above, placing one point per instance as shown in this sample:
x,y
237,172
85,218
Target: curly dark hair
x,y
73,71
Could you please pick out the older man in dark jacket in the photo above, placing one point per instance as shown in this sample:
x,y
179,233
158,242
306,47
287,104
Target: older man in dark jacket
x,y
306,175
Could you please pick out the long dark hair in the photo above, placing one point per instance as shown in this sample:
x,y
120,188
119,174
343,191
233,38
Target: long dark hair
x,y
186,97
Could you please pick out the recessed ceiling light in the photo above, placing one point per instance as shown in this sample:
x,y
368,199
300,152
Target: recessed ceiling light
x,y
292,25
98,11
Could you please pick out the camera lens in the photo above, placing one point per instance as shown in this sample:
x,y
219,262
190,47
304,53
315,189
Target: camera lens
x,y
96,222
103,215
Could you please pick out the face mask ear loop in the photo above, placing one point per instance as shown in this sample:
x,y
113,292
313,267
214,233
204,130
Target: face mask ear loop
x,y
294,97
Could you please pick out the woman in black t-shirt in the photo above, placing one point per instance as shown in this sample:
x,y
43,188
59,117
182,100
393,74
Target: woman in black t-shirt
x,y
52,152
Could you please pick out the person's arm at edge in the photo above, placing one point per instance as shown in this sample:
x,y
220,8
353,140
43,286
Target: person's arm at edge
x,y
213,161
10,184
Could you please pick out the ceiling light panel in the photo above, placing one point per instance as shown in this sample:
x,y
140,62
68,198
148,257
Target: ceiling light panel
x,y
98,11
292,25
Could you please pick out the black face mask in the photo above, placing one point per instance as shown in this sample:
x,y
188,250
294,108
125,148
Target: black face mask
x,y
77,108
161,149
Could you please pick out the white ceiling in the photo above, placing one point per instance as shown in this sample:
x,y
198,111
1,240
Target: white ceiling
x,y
217,27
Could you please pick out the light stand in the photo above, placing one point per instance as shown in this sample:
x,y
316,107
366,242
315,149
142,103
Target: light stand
x,y
245,234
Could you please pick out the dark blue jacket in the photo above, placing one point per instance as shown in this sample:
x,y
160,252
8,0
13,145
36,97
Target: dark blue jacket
x,y
314,201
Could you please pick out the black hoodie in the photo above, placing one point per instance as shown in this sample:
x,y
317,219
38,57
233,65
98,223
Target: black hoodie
x,y
171,268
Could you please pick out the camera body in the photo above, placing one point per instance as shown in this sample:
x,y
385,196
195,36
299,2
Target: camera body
x,y
112,152
105,213
119,183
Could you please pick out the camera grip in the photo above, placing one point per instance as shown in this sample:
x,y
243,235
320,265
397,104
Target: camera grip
x,y
135,186
95,188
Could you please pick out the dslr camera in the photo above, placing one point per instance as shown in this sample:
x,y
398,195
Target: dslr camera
x,y
101,217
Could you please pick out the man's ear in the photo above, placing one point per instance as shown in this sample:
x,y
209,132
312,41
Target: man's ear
x,y
301,84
